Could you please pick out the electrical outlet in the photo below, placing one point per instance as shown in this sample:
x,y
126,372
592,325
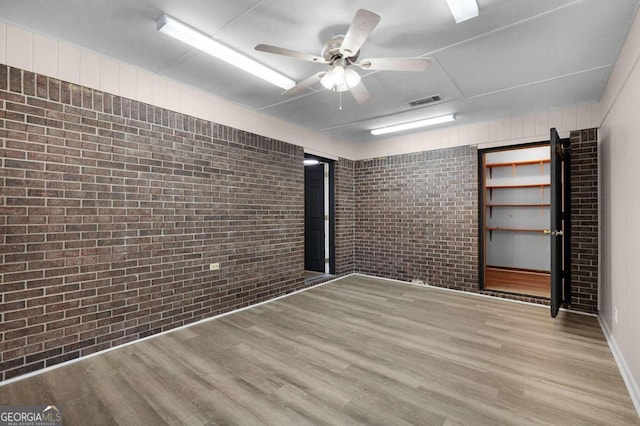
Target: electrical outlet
x,y
615,315
214,266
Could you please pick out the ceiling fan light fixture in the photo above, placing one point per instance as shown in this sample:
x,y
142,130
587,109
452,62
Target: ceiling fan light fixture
x,y
194,38
340,78
414,124
463,9
351,78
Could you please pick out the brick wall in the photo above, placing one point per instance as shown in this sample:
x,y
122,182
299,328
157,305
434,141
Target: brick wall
x,y
417,217
345,216
111,211
584,220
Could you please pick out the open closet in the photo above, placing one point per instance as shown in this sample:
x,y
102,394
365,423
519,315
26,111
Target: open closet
x,y
525,220
516,203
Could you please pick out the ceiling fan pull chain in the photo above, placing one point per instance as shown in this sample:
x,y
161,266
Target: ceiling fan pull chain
x,y
340,94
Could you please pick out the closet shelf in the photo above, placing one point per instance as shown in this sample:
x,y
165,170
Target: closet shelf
x,y
518,163
519,205
539,231
528,185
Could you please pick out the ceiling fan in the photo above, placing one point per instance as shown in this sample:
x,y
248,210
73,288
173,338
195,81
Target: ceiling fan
x,y
341,52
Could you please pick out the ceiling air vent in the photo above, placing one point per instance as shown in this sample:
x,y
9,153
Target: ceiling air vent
x,y
425,101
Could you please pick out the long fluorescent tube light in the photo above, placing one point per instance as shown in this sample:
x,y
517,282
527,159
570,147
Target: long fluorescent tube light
x,y
463,9
176,29
413,124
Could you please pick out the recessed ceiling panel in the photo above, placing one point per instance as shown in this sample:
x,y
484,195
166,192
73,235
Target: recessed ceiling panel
x,y
573,39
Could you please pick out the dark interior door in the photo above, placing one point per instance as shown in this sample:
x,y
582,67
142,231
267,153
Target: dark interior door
x,y
559,216
314,218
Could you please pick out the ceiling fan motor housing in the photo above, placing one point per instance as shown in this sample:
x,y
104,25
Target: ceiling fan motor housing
x,y
331,50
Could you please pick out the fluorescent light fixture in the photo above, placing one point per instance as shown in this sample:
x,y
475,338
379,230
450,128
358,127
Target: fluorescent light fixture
x,y
413,124
463,9
176,29
310,162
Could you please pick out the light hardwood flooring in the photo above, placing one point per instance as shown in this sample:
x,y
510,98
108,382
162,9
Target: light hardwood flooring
x,y
356,351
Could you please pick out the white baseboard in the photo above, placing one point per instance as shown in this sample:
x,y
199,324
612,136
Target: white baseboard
x,y
133,342
625,371
471,293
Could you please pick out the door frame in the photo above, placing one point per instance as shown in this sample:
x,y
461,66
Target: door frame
x,y
332,208
481,210
561,218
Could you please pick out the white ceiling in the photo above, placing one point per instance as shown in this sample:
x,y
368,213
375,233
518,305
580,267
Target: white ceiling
x,y
516,57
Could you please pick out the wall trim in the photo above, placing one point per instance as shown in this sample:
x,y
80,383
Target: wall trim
x,y
471,293
133,342
321,154
522,141
625,371
511,130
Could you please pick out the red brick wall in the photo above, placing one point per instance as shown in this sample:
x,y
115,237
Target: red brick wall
x,y
111,211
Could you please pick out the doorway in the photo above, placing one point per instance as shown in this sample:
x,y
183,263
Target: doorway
x,y
525,226
319,217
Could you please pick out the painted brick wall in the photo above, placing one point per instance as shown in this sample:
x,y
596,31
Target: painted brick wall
x,y
111,211
584,220
417,217
345,216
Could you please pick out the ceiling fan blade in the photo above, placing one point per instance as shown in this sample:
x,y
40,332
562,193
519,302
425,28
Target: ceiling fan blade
x,y
291,53
395,64
363,23
360,93
304,84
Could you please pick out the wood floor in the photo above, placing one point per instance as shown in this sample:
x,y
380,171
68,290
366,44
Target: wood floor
x,y
522,282
356,351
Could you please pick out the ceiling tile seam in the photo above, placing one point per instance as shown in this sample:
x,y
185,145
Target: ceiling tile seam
x,y
451,80
545,80
471,97
237,18
513,24
287,100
